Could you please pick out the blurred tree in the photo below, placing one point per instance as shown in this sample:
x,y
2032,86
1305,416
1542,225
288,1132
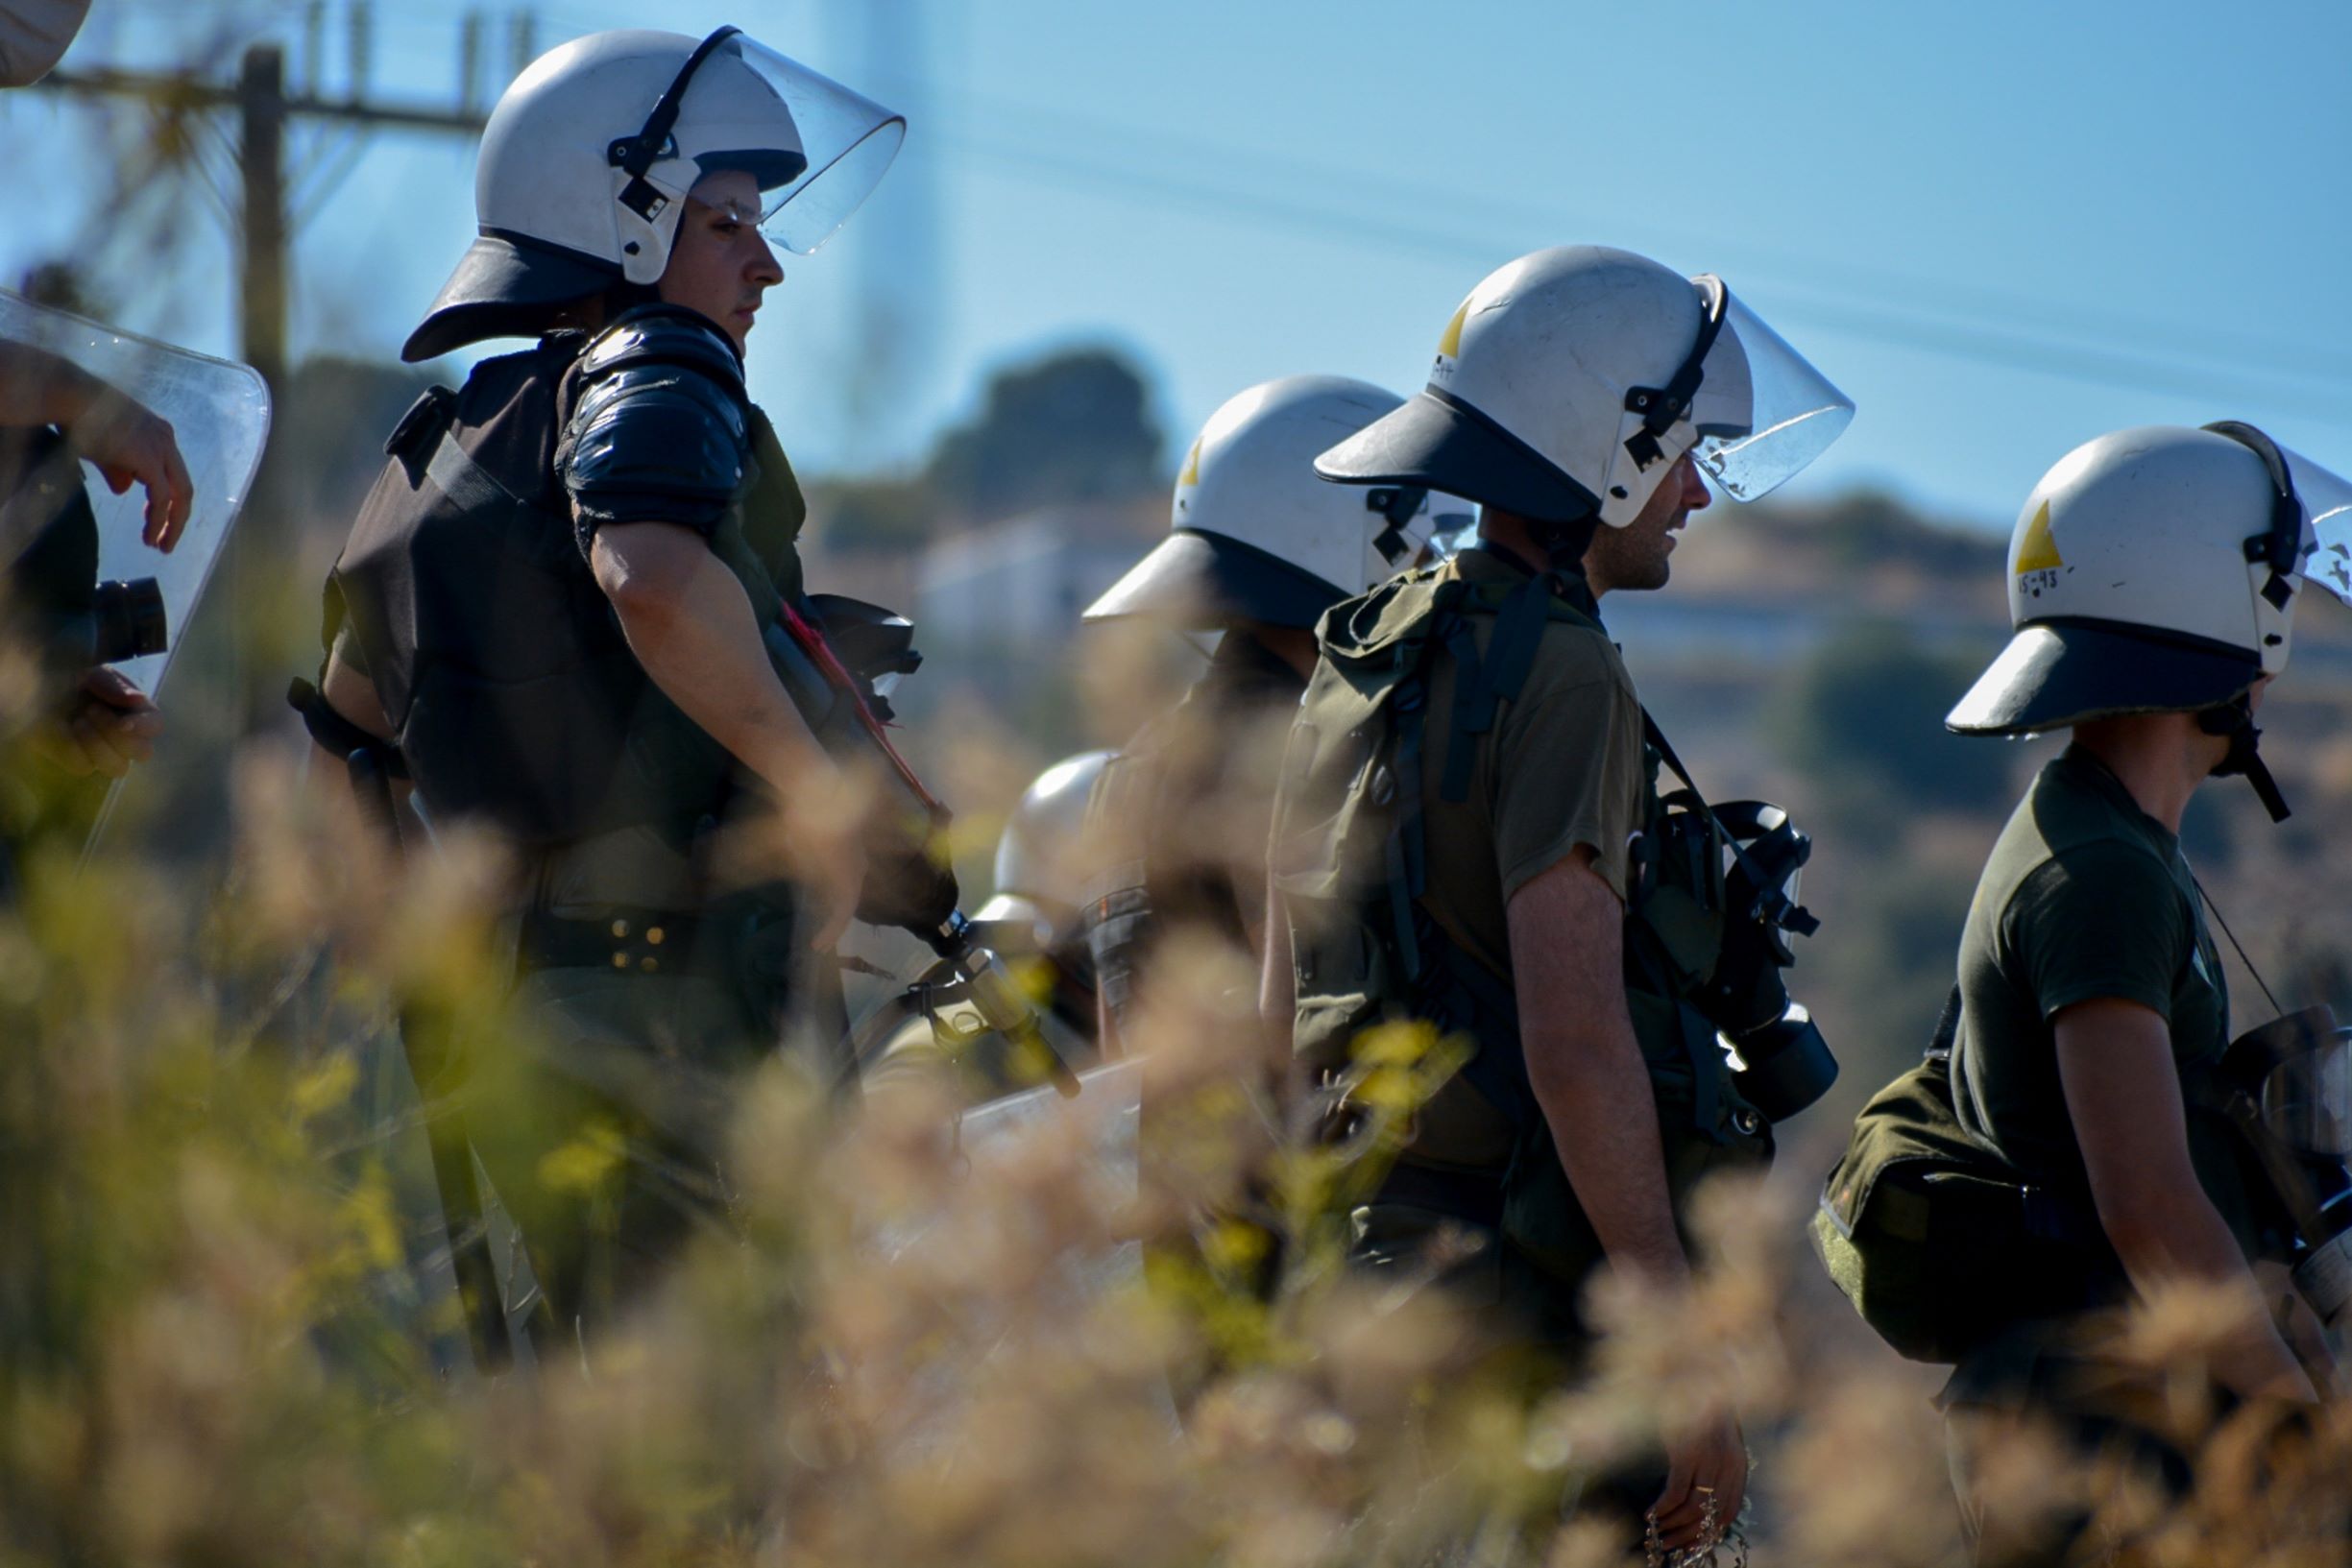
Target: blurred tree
x,y
1076,425
1887,961
329,434
871,513
1863,527
1863,719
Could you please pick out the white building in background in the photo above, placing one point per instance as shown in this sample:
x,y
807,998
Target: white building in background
x,y
1019,585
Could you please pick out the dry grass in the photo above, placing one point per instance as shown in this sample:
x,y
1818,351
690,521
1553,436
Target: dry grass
x,y
881,1360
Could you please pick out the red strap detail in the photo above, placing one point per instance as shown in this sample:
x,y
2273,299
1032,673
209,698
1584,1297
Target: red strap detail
x,y
829,664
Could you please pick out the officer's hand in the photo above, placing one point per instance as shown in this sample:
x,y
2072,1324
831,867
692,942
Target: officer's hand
x,y
111,725
131,445
1709,1460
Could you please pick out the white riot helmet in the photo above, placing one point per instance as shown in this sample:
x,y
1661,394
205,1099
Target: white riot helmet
x,y
2155,571
1041,873
1255,536
1570,381
589,155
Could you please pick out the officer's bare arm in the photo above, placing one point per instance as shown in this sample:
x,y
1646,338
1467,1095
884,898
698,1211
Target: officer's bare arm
x,y
1586,1067
2123,1092
691,625
1587,1071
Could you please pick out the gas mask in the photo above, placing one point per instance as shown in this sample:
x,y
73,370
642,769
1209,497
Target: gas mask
x,y
2288,1087
1782,1063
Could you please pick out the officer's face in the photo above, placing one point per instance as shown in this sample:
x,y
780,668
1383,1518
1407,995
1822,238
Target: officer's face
x,y
1635,556
719,264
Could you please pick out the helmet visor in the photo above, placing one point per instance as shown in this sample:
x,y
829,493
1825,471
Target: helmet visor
x,y
1761,411
2327,499
816,149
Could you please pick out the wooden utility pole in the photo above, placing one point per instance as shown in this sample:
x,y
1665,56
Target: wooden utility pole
x,y
265,113
261,156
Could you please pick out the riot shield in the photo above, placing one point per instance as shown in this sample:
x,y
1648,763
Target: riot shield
x,y
219,413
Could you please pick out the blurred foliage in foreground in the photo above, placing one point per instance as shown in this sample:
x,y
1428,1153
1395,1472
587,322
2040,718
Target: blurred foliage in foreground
x,y
216,1349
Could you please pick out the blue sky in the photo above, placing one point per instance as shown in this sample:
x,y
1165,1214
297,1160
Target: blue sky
x,y
2002,228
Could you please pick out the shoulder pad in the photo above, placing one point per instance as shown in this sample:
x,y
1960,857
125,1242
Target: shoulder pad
x,y
664,334
661,429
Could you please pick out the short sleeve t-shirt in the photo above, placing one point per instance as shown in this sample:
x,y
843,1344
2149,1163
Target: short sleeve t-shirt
x,y
2085,897
1561,766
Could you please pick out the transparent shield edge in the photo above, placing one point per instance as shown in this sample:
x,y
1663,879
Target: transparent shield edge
x,y
838,127
817,208
1795,413
2327,496
220,413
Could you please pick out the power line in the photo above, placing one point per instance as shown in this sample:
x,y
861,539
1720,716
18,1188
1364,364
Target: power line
x,y
2090,343
1950,336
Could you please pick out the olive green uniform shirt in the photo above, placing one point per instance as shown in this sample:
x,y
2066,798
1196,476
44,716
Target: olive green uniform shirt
x,y
2085,897
1561,766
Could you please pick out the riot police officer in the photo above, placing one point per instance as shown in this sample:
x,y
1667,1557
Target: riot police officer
x,y
554,615
1257,550
107,723
1471,830
2153,580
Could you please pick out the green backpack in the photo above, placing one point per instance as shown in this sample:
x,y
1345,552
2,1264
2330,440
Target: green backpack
x,y
1346,857
1935,1239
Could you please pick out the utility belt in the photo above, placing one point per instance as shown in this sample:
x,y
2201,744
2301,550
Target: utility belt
x,y
622,938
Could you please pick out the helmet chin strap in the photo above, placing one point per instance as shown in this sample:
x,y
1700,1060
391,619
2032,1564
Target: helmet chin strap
x,y
1563,543
2235,719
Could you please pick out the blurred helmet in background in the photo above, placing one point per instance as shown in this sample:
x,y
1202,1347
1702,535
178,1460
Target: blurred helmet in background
x,y
1255,537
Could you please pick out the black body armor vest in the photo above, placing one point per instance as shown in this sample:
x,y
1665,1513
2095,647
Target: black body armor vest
x,y
513,696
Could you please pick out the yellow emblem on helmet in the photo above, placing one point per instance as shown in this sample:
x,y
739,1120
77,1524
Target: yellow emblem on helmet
x,y
2038,551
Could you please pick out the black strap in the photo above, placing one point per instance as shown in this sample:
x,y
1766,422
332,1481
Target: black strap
x,y
339,734
1947,1027
1473,706
1481,686
1399,505
1776,905
2222,921
1660,408
639,152
2280,546
1405,852
1470,997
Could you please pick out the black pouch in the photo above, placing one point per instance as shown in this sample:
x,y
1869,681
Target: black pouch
x,y
1935,1240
